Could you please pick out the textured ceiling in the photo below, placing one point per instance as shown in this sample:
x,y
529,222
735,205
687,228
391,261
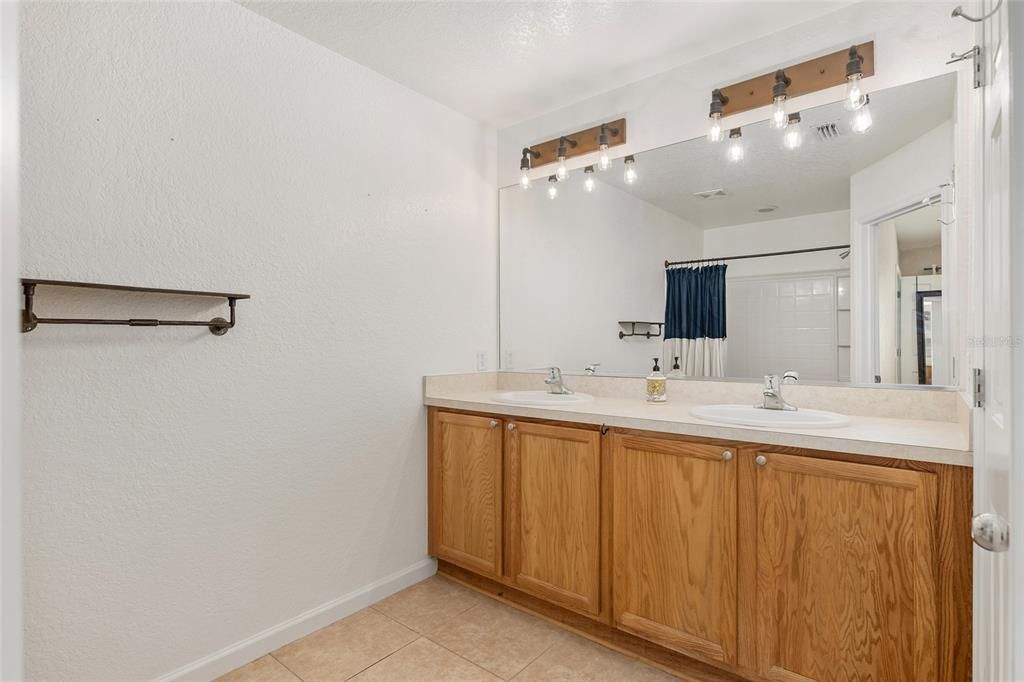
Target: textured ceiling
x,y
813,179
505,62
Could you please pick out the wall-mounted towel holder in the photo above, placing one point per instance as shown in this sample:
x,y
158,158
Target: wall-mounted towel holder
x,y
633,332
217,326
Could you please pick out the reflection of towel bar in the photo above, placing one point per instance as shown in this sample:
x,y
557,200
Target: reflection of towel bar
x,y
634,332
218,325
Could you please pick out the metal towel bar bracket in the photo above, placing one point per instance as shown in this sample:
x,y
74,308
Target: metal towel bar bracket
x,y
217,326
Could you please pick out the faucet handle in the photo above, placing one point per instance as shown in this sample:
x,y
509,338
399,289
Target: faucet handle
x,y
791,376
771,382
554,373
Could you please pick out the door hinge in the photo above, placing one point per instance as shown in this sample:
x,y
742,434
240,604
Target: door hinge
x,y
978,385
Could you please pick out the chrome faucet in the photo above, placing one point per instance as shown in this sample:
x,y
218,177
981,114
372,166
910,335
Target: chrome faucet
x,y
554,380
772,394
591,369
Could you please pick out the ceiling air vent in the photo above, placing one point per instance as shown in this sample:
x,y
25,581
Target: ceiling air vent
x,y
710,193
828,131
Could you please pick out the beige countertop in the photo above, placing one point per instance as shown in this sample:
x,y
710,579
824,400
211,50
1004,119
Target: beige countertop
x,y
943,442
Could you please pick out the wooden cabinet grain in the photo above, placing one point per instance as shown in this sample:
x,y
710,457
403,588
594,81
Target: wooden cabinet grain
x,y
465,479
845,576
554,513
674,544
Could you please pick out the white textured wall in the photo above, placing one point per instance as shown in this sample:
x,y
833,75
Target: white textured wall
x,y
185,491
801,232
573,267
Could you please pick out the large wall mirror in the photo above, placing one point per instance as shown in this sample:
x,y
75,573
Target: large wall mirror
x,y
862,222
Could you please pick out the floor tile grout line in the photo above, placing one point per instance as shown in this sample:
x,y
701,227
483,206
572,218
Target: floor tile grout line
x,y
384,658
294,674
473,663
534,659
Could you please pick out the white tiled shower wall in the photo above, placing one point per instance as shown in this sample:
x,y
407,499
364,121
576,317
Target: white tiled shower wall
x,y
782,322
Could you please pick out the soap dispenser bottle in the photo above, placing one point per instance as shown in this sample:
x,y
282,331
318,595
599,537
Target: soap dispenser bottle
x,y
676,372
656,385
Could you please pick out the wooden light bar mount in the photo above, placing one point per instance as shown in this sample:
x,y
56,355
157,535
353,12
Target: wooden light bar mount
x,y
810,76
587,141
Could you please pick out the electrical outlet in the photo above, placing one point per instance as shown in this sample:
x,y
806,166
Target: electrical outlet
x,y
481,361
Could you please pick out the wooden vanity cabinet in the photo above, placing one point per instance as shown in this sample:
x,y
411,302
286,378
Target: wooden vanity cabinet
x,y
553,513
465,480
716,560
844,568
674,544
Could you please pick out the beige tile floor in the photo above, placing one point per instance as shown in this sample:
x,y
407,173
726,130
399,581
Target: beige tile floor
x,y
438,630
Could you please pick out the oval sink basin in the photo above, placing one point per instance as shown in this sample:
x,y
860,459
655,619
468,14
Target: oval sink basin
x,y
542,398
748,415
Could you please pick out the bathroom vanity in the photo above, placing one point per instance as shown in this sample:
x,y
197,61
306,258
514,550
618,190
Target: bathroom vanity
x,y
763,554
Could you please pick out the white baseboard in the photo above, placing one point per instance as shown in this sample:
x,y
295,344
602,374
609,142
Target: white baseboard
x,y
249,649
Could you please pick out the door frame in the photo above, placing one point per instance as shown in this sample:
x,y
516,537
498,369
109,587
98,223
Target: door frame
x,y
919,326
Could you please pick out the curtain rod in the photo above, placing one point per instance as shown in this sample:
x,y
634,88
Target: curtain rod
x,y
669,264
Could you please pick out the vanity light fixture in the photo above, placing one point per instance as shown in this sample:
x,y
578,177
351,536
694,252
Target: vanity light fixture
x,y
629,176
736,151
524,167
780,119
718,100
563,154
794,136
552,187
855,97
589,183
861,122
604,162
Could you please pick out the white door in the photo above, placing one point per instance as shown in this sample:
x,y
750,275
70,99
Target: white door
x,y
995,593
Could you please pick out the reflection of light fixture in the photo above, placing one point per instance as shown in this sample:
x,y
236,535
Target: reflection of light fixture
x,y
735,152
629,176
862,117
588,184
779,117
604,162
855,97
524,167
793,137
718,100
552,187
563,154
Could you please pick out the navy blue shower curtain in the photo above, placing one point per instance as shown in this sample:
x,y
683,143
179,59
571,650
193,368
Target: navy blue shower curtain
x,y
695,319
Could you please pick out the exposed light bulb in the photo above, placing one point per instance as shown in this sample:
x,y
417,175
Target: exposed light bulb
x,y
562,172
524,167
589,183
854,93
524,179
855,97
794,136
780,119
735,152
604,162
715,132
630,176
862,122
552,187
718,100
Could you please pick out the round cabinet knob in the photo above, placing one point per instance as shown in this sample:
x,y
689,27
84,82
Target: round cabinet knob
x,y
494,423
727,455
991,531
511,427
761,460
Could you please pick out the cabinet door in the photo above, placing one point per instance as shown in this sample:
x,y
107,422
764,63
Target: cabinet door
x,y
466,491
554,513
674,544
845,570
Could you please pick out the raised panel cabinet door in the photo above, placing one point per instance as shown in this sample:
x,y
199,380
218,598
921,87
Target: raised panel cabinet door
x,y
674,544
554,513
466,491
845,570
